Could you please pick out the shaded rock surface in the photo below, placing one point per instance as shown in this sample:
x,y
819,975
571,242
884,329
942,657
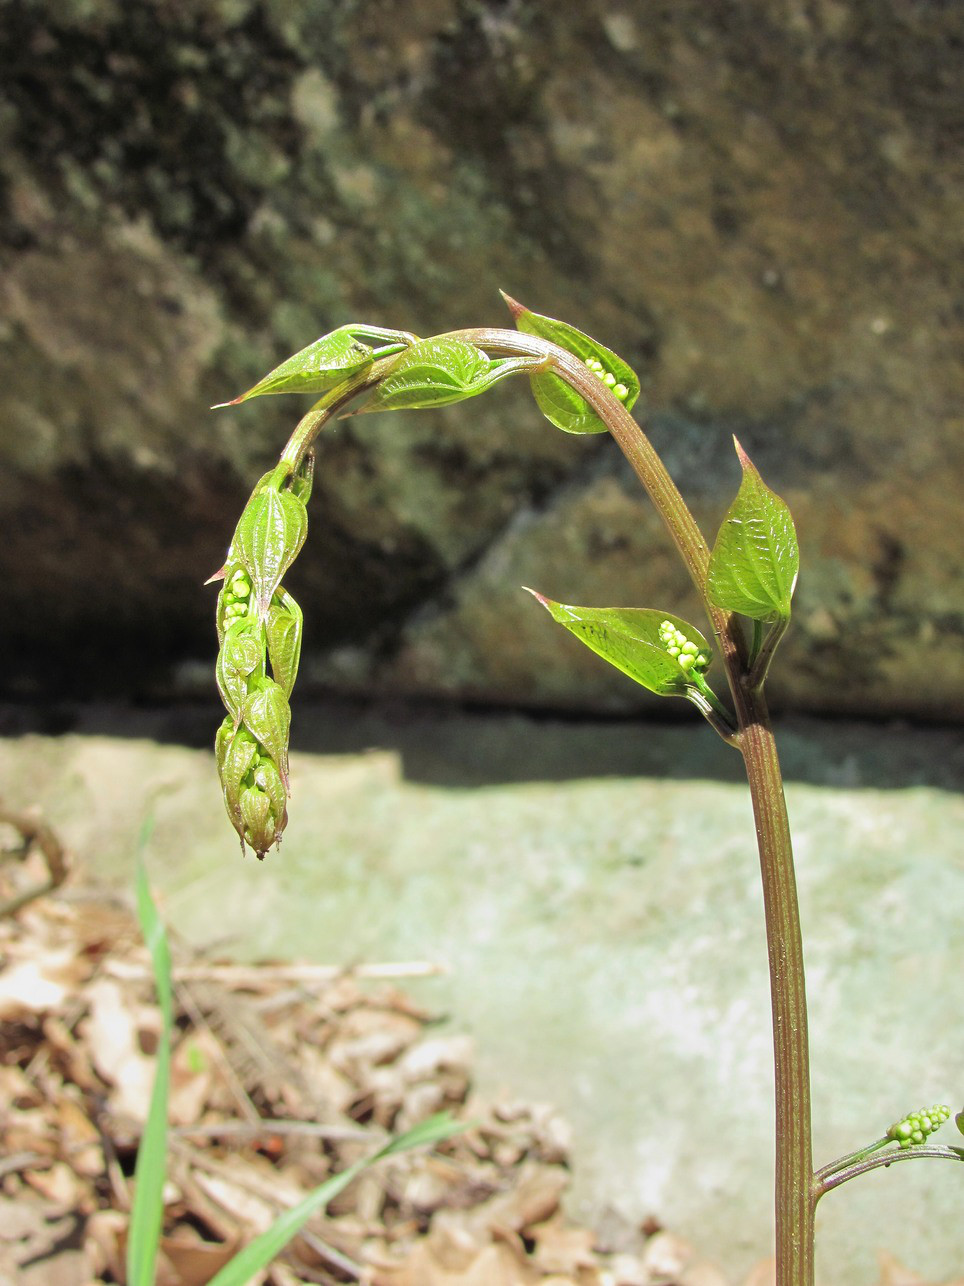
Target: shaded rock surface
x,y
755,204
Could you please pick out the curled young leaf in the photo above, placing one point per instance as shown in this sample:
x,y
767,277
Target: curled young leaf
x,y
236,754
439,372
267,715
243,647
755,560
283,630
558,402
641,642
268,538
325,363
261,827
268,779
242,652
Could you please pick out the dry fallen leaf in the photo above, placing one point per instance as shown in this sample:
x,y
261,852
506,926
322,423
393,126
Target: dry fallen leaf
x,y
280,1077
113,1032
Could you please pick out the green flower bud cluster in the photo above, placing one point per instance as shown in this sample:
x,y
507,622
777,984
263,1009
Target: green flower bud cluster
x,y
915,1128
608,378
688,655
259,630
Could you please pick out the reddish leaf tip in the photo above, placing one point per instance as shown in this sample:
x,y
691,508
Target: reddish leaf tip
x,y
234,402
745,461
513,305
536,595
218,575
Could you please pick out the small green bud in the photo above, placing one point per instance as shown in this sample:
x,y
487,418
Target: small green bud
x,y
609,379
915,1128
620,391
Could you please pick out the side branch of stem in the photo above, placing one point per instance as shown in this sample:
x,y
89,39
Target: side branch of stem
x,y
920,1151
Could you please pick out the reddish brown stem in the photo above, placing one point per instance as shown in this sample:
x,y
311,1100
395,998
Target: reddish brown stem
x,y
795,1197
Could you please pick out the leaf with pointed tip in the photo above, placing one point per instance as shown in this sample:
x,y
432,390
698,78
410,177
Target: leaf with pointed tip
x,y
268,538
260,824
268,779
242,651
755,560
558,402
629,639
439,372
267,715
283,630
236,755
326,362
232,686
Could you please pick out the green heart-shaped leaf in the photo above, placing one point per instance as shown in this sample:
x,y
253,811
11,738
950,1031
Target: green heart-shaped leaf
x,y
630,639
326,362
268,538
242,651
267,715
260,823
755,560
558,402
440,372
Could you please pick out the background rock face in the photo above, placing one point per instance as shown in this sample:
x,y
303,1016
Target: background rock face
x,y
753,203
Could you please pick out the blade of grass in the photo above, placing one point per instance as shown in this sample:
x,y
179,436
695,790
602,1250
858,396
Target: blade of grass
x,y
260,1252
151,1169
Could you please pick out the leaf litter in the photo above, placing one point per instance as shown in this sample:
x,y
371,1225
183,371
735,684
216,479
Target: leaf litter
x,y
282,1075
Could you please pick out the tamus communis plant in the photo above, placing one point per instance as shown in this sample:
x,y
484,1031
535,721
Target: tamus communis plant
x,y
745,580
